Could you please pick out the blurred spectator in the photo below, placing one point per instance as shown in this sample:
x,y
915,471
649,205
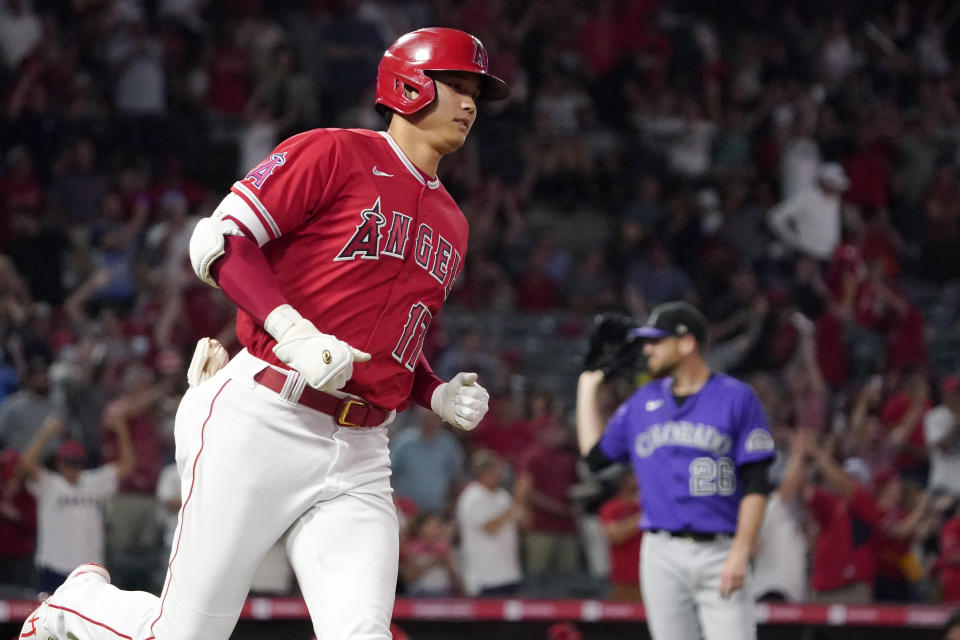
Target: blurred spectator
x,y
77,186
132,527
591,287
809,221
70,500
351,48
620,515
898,567
18,525
657,279
21,412
39,251
551,544
429,567
227,75
537,289
504,430
168,239
135,57
21,191
77,379
20,32
940,227
844,553
779,570
489,519
941,428
805,384
115,240
427,463
949,561
467,354
903,416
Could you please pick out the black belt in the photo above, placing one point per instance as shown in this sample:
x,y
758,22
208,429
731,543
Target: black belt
x,y
697,536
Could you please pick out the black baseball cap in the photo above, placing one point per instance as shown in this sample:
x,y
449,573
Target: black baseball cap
x,y
674,319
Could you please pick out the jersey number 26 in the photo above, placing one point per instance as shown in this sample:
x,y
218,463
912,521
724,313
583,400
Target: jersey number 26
x,y
709,477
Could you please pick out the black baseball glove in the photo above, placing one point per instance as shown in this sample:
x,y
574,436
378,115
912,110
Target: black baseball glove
x,y
612,349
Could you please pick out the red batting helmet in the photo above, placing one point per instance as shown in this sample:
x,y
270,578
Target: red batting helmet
x,y
432,49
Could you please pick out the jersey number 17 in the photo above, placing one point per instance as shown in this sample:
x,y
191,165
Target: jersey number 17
x,y
410,343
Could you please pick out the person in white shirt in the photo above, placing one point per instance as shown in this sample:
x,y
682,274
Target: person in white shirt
x,y
489,519
941,427
70,529
809,221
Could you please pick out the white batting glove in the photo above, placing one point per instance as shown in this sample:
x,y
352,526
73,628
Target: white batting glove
x,y
461,402
209,356
325,361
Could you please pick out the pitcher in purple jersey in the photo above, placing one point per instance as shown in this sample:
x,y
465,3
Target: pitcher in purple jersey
x,y
700,446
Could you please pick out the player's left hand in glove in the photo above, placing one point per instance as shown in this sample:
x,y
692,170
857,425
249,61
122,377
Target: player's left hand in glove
x,y
612,348
461,402
325,361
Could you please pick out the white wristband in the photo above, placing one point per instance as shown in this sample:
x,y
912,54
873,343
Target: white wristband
x,y
281,319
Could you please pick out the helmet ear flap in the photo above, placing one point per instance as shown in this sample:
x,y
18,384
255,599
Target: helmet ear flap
x,y
395,95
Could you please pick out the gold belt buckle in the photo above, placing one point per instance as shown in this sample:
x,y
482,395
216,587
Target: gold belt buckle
x,y
344,408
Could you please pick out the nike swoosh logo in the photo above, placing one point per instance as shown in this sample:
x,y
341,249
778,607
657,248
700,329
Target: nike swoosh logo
x,y
384,174
653,405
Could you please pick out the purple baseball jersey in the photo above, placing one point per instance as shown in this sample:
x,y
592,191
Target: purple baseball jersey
x,y
686,458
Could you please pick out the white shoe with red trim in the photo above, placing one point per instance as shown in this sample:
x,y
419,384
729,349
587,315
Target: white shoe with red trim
x,y
36,626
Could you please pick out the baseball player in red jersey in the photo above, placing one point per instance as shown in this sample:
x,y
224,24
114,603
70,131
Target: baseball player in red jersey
x,y
338,249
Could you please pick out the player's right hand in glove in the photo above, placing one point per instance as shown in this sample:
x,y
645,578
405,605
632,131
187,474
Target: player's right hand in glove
x,y
461,402
325,361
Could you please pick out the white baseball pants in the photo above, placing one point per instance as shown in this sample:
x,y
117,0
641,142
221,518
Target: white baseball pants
x,y
255,468
680,581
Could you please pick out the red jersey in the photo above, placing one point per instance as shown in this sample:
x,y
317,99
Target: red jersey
x,y
361,242
554,472
845,550
625,555
893,410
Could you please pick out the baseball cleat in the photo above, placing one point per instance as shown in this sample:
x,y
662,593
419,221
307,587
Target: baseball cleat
x,y
35,627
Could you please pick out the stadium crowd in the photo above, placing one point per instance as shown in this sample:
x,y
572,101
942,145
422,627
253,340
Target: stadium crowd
x,y
794,171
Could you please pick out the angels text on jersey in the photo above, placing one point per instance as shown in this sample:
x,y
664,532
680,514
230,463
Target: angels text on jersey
x,y
373,238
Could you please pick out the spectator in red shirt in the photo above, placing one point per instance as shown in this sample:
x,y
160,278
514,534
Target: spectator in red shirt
x,y
600,39
551,543
902,414
502,430
18,525
429,567
844,554
620,516
897,567
949,560
20,189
